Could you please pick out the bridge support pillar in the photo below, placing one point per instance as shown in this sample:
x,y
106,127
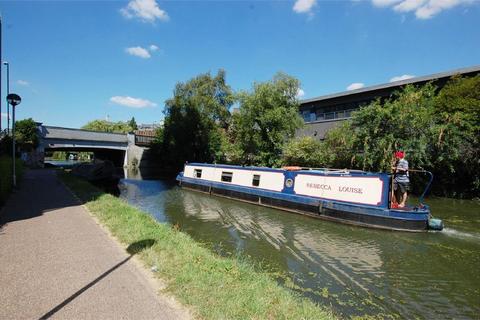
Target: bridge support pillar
x,y
136,156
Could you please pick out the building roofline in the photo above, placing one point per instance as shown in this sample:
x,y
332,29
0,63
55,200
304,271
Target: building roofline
x,y
395,84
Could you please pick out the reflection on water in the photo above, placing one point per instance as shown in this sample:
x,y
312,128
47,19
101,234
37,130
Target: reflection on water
x,y
358,271
62,163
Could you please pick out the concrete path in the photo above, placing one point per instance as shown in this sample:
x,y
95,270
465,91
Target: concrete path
x,y
56,262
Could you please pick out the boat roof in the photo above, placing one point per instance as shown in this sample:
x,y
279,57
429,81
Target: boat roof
x,y
302,170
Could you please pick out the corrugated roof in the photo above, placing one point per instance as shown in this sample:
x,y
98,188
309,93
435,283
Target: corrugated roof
x,y
395,84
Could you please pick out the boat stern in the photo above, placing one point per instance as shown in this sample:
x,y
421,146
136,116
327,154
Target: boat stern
x,y
435,224
432,223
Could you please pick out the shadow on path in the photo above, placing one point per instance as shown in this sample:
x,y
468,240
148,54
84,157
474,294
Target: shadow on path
x,y
39,192
132,249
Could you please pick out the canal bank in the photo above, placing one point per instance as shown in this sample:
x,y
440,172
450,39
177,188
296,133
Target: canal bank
x,y
56,261
358,271
214,287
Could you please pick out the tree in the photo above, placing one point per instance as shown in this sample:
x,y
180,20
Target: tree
x,y
133,124
456,137
196,119
304,152
439,130
26,134
401,122
107,126
337,150
267,118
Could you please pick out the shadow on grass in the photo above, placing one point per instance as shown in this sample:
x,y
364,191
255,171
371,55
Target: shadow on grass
x,y
132,249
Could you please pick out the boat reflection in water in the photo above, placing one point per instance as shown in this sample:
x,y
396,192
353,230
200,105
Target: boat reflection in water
x,y
356,270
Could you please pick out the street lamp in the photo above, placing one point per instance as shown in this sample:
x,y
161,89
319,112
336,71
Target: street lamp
x,y
14,100
8,92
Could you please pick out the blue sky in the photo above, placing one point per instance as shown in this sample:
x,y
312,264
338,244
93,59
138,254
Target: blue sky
x,y
76,61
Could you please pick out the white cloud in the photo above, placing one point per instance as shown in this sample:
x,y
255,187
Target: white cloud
x,y
424,9
303,6
145,10
400,78
409,5
300,93
384,3
138,52
355,85
23,83
433,7
132,102
153,48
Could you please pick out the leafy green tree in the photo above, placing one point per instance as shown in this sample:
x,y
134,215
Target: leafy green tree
x,y
337,150
401,122
196,119
439,130
304,152
133,124
26,134
98,125
456,137
267,118
107,126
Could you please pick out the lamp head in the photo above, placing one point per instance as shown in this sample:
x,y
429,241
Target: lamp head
x,y
14,99
5,63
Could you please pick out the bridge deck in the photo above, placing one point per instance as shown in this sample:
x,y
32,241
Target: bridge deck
x,y
58,133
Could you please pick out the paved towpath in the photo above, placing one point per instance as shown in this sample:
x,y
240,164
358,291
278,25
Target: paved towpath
x,y
56,262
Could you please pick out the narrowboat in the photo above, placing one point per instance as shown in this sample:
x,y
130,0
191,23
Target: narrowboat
x,y
348,196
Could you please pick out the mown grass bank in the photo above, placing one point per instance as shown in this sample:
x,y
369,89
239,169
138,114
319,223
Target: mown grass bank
x,y
6,176
213,287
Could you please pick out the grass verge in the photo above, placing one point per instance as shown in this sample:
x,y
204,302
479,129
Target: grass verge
x,y
213,287
6,176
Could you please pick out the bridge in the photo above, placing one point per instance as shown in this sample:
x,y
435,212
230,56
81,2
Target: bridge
x,y
119,148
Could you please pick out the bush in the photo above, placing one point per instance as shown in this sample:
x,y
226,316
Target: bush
x,y
304,152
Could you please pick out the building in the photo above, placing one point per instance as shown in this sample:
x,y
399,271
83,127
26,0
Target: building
x,y
325,112
146,133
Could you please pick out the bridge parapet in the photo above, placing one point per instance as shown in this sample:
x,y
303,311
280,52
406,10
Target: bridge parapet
x,y
50,132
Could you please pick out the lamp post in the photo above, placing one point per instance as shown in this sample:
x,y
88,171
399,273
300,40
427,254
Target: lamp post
x,y
14,100
8,92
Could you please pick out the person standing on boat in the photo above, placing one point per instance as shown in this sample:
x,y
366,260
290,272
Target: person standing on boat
x,y
401,181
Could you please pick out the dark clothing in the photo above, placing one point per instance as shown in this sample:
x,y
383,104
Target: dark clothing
x,y
401,186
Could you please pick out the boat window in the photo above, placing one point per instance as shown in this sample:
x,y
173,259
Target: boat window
x,y
197,173
256,180
227,176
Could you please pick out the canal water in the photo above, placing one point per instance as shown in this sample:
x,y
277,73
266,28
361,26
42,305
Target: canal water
x,y
356,271
62,163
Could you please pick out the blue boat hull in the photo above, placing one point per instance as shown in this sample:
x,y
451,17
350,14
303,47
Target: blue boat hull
x,y
366,216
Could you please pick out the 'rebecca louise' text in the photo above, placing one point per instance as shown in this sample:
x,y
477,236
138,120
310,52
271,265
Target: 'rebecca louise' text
x,y
340,188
